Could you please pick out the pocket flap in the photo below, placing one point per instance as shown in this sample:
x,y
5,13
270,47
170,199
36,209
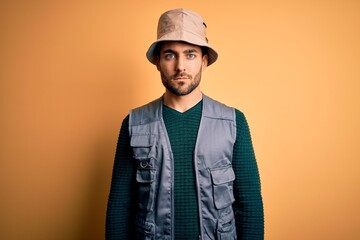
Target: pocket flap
x,y
142,146
222,175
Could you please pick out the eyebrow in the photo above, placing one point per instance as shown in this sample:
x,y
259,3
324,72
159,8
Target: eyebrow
x,y
168,51
192,50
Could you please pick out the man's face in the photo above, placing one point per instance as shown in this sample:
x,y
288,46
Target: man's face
x,y
180,65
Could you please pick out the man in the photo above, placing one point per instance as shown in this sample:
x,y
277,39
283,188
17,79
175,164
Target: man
x,y
184,165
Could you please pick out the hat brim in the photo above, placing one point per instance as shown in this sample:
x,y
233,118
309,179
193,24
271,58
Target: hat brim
x,y
182,36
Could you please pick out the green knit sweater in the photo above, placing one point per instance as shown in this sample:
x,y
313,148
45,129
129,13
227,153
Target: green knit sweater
x,y
182,129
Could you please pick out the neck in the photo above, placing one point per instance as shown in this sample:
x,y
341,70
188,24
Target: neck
x,y
182,103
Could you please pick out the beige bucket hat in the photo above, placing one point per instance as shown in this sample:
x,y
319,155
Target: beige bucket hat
x,y
182,25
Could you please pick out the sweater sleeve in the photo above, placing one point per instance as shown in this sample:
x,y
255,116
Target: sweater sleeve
x,y
120,208
248,206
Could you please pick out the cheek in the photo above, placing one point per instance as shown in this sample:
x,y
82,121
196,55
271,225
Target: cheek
x,y
165,69
197,67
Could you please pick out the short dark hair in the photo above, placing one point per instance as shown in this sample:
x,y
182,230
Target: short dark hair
x,y
157,49
205,51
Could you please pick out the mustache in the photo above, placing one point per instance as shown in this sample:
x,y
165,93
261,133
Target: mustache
x,y
181,75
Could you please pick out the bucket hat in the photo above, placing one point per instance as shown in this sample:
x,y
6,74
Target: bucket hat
x,y
182,25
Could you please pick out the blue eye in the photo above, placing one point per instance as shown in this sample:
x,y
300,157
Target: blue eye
x,y
191,56
169,56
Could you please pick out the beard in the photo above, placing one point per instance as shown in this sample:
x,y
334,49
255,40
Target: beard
x,y
180,87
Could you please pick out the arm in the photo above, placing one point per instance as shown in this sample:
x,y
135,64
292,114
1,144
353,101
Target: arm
x,y
120,208
248,206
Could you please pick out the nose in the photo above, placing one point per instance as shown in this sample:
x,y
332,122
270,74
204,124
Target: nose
x,y
180,66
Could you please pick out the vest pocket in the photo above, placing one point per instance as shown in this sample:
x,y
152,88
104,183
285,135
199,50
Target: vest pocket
x,y
222,179
143,153
226,229
145,179
142,146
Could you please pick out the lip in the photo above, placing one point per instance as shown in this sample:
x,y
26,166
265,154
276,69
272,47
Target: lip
x,y
180,78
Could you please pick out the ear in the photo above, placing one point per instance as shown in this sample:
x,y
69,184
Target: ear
x,y
205,59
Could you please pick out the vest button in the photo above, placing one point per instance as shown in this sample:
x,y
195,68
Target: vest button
x,y
144,164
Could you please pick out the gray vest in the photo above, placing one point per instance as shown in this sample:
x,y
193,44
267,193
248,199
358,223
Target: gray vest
x,y
212,164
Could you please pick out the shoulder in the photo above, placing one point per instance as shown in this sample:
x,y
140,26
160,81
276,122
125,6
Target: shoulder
x,y
216,109
125,122
149,107
240,117
147,113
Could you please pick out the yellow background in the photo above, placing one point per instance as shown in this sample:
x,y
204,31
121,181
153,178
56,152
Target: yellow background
x,y
71,70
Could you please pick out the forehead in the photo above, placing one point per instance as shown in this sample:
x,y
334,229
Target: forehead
x,y
178,46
